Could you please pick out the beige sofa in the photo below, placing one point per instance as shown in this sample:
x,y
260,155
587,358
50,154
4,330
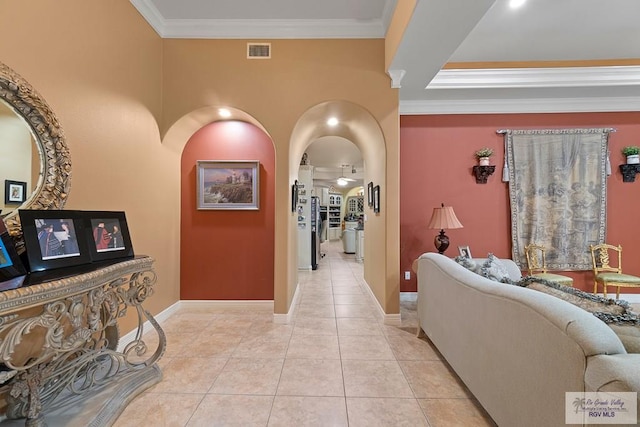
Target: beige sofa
x,y
518,350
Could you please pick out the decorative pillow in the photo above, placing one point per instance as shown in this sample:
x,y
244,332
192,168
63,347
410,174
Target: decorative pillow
x,y
468,263
494,269
617,314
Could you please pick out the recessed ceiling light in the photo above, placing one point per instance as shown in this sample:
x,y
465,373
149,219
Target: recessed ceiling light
x,y
516,3
332,121
224,113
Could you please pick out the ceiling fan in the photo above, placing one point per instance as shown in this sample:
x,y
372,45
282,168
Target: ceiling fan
x,y
343,180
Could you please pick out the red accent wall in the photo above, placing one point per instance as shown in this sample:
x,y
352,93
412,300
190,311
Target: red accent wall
x,y
436,161
227,255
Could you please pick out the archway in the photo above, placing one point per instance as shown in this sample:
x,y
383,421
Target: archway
x,y
359,126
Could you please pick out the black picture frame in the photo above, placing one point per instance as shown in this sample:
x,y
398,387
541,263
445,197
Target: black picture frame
x,y
15,192
376,199
11,265
370,194
294,196
103,240
54,239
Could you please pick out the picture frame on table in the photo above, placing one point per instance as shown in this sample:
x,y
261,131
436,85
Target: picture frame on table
x,y
376,199
228,185
464,251
15,192
107,235
54,239
11,265
370,193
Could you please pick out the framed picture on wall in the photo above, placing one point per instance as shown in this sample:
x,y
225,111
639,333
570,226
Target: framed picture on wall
x,y
294,196
370,194
107,235
54,239
228,185
376,199
14,192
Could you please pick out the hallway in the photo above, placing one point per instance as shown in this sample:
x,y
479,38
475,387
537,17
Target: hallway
x,y
336,364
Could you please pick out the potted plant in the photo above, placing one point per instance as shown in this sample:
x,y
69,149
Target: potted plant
x,y
633,154
483,155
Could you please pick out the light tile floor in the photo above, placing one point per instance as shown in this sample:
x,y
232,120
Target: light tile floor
x,y
336,364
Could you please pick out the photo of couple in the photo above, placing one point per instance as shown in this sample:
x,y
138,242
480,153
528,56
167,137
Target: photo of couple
x,y
107,235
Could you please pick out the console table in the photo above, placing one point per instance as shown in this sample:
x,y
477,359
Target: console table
x,y
61,363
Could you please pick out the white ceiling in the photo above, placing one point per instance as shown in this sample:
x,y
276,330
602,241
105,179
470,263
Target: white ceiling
x,y
451,31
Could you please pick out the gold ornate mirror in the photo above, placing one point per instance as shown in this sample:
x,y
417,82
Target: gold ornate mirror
x,y
52,186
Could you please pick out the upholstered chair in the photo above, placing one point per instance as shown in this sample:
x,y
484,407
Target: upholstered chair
x,y
607,274
537,265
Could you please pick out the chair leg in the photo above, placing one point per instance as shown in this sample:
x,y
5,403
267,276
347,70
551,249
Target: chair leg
x,y
618,292
595,286
604,289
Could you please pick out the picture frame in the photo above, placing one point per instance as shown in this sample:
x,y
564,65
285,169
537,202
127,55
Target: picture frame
x,y
54,239
294,196
15,192
464,251
11,265
107,235
228,185
370,193
376,199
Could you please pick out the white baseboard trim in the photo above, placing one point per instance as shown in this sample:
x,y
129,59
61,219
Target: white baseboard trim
x,y
632,298
262,305
285,319
160,317
387,319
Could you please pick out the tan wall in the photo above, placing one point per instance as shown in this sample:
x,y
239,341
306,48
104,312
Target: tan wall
x,y
277,92
98,65
109,78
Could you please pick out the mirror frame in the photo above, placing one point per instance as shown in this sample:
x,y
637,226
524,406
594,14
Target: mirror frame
x,y
55,162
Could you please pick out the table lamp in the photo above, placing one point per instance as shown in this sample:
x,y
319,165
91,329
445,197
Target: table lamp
x,y
443,218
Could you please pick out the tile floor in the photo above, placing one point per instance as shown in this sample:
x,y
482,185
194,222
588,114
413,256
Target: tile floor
x,y
336,364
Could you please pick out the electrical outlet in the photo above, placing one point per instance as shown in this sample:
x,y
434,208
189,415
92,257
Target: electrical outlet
x,y
407,275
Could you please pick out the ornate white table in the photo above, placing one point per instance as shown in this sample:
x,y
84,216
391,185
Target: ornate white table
x,y
59,345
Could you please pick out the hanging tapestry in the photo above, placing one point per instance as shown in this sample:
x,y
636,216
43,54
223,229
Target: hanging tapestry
x,y
558,193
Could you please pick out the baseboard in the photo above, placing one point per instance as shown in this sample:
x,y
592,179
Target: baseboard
x,y
262,305
285,319
160,317
632,298
387,319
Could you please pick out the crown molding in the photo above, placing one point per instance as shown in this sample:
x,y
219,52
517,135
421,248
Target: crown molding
x,y
495,78
521,106
259,28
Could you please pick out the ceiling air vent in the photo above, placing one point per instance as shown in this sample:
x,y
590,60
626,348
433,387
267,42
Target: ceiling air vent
x,y
258,50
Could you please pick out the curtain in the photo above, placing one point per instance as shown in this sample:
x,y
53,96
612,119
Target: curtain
x,y
558,193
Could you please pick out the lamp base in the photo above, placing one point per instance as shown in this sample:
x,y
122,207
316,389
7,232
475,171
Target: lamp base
x,y
442,242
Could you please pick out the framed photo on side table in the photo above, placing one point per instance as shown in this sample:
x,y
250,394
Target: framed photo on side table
x,y
107,235
15,192
464,251
230,185
54,239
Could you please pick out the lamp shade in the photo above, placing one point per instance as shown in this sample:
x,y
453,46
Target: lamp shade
x,y
444,218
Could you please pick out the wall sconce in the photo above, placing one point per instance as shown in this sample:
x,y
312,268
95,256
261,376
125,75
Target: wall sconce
x,y
443,218
482,173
